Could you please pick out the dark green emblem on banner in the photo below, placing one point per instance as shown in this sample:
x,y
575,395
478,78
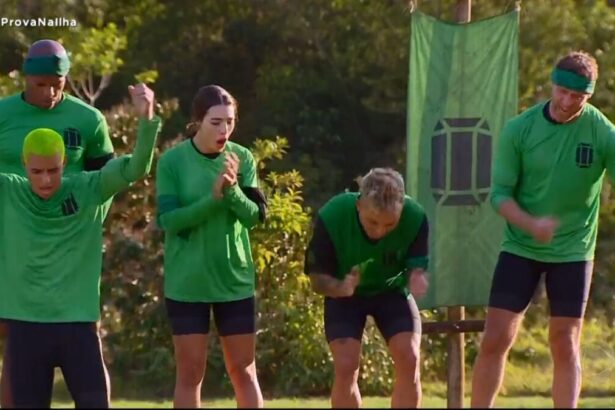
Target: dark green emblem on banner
x,y
461,150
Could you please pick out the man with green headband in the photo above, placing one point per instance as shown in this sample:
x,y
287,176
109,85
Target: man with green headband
x,y
44,104
547,179
49,286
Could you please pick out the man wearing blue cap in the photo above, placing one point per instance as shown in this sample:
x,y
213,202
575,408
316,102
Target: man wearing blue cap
x,y
43,104
547,179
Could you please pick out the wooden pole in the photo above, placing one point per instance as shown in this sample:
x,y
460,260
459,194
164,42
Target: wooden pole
x,y
463,11
461,326
456,341
456,362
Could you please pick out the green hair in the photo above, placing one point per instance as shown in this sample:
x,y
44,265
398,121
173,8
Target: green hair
x,y
44,142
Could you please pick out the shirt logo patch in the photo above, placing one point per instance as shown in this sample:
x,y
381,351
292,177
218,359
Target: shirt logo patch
x,y
584,155
69,206
72,138
390,258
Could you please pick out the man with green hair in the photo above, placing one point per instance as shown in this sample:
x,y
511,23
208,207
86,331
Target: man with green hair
x,y
44,104
52,261
547,179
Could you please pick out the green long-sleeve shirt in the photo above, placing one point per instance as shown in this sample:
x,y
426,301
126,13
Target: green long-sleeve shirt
x,y
207,255
51,248
556,170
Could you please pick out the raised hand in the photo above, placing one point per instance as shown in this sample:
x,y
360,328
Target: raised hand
x,y
218,186
143,100
227,176
231,168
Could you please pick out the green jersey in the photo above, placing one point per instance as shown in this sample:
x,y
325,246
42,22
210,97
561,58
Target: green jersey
x,y
83,127
51,250
207,255
556,170
384,263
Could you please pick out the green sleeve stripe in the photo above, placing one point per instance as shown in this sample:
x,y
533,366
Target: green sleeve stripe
x,y
167,203
417,262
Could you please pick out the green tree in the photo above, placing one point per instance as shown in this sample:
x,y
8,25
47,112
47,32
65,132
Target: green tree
x,y
10,84
94,53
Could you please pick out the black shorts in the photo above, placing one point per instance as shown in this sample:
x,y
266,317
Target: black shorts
x,y
392,312
232,318
35,349
516,278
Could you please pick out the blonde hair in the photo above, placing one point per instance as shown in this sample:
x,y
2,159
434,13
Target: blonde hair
x,y
383,188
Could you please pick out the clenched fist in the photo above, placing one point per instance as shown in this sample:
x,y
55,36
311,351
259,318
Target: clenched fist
x,y
350,282
418,283
543,229
143,100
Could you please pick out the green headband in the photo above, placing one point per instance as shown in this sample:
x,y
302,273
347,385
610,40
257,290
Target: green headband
x,y
47,65
572,81
44,142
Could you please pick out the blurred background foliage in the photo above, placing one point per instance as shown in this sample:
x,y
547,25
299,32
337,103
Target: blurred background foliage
x,y
322,91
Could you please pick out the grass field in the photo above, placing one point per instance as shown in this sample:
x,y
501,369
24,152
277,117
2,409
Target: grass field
x,y
527,381
368,402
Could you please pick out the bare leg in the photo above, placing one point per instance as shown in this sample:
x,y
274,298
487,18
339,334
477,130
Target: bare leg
x,y
190,359
239,357
405,350
565,340
346,359
501,327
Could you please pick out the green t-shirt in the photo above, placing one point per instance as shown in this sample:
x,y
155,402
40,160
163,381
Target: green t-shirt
x,y
383,263
554,170
207,255
51,249
83,127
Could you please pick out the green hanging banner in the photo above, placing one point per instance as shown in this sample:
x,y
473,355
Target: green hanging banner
x,y
462,89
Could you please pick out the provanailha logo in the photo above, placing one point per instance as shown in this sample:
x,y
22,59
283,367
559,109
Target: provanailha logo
x,y
38,22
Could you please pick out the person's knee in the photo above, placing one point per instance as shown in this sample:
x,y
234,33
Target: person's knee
x,y
564,346
405,352
406,358
190,372
496,342
347,367
242,368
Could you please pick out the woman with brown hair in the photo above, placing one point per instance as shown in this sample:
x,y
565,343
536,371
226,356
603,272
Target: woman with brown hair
x,y
208,199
